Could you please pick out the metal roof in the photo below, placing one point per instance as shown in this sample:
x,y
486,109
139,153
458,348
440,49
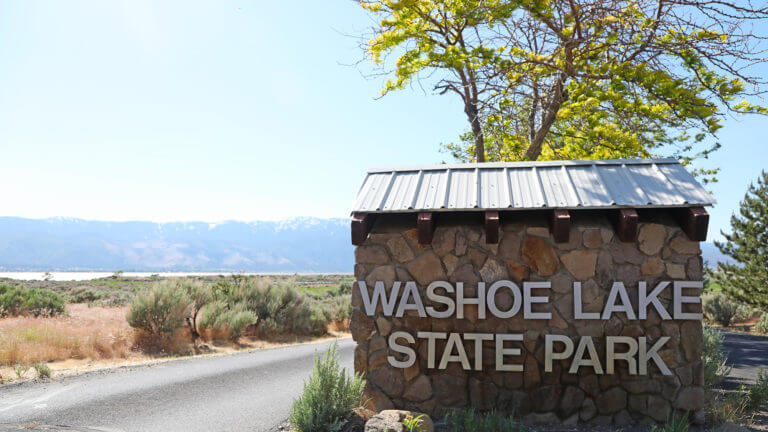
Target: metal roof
x,y
589,184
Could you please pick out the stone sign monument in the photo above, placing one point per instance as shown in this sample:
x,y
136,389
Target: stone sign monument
x,y
562,292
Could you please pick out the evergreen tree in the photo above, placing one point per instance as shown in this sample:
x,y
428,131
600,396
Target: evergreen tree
x,y
747,244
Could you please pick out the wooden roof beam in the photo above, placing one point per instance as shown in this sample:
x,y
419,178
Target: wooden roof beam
x,y
626,224
425,225
491,226
362,223
694,221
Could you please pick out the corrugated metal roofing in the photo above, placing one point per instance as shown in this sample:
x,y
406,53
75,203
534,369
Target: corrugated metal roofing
x,y
639,183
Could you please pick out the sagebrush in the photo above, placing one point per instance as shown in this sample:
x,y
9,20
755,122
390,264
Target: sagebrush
x,y
329,396
715,367
718,308
17,300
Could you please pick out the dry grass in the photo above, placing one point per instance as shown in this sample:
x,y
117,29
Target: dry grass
x,y
85,333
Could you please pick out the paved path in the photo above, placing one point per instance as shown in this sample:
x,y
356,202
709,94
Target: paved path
x,y
747,354
250,391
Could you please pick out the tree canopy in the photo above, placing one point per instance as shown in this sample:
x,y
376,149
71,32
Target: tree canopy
x,y
576,79
747,244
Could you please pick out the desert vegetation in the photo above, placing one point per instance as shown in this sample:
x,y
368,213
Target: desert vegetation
x,y
119,318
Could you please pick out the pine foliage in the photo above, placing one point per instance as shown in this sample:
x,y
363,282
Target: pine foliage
x,y
747,244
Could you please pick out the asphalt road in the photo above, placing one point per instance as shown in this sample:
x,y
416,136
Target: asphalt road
x,y
747,354
250,391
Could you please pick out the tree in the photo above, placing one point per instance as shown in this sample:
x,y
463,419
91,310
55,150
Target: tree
x,y
747,244
576,79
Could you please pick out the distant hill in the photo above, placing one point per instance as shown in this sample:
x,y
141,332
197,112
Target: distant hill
x,y
712,255
294,245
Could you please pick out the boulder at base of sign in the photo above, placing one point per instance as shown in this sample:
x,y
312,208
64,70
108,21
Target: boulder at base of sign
x,y
393,421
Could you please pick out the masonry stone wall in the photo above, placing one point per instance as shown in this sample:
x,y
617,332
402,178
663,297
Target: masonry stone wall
x,y
526,251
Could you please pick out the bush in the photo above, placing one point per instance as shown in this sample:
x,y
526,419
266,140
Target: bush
x,y
471,421
718,308
762,325
161,310
328,398
674,424
757,395
715,368
17,300
42,369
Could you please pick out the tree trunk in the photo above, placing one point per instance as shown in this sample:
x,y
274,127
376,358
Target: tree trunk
x,y
477,131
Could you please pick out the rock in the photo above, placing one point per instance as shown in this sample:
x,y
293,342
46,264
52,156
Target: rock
x,y
691,340
493,271
588,410
581,264
675,271
392,421
572,400
531,376
412,236
411,372
690,398
590,384
389,380
450,391
625,253
361,359
377,359
546,398
477,257
644,385
611,401
540,256
638,403
652,267
426,268
694,268
418,391
538,231
375,400
482,394
682,245
384,274
509,246
622,418
360,325
444,240
371,254
651,238
384,326
461,244
574,241
606,234
658,408
592,238
400,249
542,418
450,261
731,427
518,271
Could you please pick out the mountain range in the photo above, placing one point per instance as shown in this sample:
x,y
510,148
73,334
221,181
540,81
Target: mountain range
x,y
303,244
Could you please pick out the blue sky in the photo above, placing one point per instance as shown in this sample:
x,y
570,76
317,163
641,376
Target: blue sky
x,y
200,110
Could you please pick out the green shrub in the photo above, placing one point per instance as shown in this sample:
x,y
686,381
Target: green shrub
x,y
20,369
757,395
159,310
718,308
715,368
762,325
328,398
17,300
471,421
42,369
674,424
85,294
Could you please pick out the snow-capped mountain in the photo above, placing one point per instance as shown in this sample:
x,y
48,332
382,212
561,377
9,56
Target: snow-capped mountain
x,y
293,245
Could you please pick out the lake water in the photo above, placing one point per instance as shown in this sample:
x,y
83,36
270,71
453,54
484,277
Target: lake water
x,y
79,276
